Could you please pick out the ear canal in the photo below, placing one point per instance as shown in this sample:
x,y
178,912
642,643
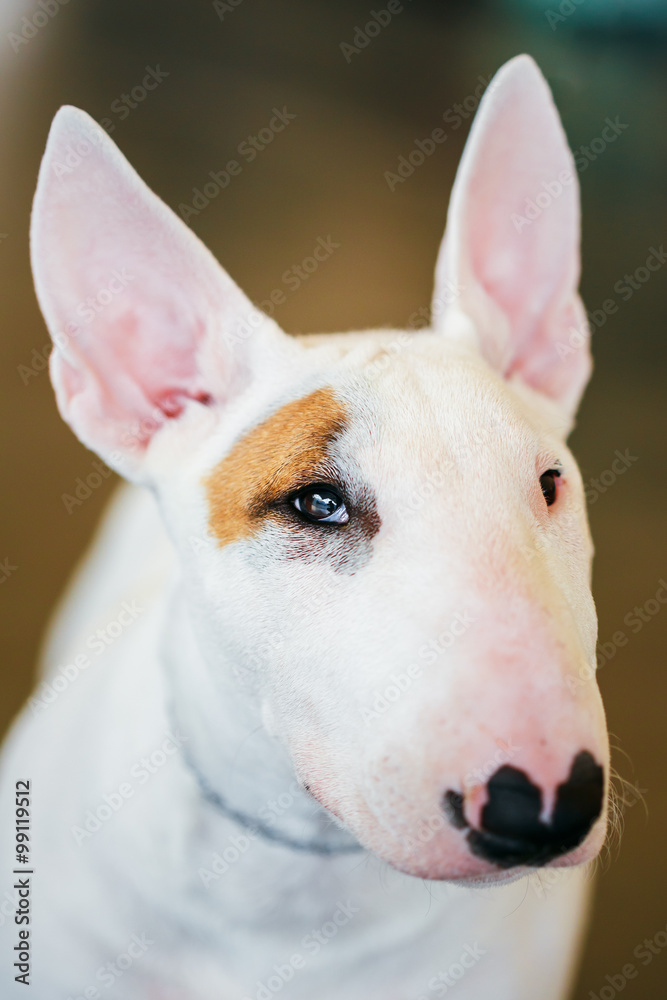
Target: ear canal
x,y
144,320
510,256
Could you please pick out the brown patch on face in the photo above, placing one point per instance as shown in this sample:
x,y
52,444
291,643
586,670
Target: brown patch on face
x,y
287,450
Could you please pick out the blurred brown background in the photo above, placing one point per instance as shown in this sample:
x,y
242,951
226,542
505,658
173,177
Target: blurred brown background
x,y
225,66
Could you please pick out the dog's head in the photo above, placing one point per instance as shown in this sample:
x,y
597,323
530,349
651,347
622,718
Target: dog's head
x,y
383,534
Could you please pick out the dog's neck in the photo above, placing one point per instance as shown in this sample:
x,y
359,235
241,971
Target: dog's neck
x,y
240,769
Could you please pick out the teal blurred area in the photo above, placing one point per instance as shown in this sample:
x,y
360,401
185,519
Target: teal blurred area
x,y
599,16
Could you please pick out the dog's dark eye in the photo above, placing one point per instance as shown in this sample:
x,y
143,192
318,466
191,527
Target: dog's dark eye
x,y
548,484
321,505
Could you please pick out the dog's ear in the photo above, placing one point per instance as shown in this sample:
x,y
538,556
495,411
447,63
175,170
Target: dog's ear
x,y
510,255
145,322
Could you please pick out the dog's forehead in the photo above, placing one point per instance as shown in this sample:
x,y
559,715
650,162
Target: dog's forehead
x,y
435,385
432,401
365,414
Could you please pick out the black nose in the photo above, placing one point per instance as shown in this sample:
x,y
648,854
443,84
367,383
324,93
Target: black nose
x,y
511,830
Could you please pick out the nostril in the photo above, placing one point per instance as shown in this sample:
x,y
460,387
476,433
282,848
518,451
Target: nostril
x,y
578,800
512,832
453,804
514,805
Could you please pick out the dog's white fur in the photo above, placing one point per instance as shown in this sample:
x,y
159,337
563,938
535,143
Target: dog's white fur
x,y
265,667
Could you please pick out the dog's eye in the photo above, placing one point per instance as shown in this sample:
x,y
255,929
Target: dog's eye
x,y
548,484
321,505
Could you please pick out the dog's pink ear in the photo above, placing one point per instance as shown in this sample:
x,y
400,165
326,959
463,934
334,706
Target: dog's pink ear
x,y
510,256
145,322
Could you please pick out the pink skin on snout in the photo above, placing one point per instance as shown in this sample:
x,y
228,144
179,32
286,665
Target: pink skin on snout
x,y
507,703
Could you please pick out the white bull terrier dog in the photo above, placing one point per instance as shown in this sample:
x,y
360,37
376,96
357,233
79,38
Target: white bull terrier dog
x,y
352,662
